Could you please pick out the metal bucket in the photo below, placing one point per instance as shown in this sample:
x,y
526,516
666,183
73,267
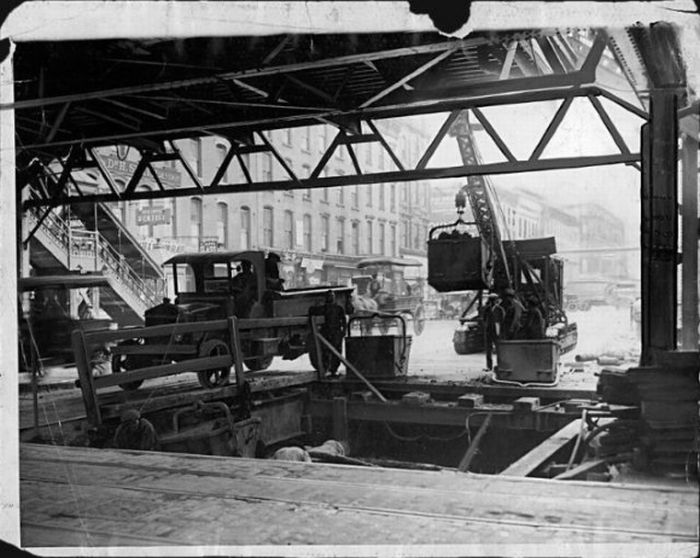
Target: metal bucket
x,y
528,360
379,356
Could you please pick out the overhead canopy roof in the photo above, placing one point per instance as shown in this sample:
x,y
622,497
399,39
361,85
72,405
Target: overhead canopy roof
x,y
146,91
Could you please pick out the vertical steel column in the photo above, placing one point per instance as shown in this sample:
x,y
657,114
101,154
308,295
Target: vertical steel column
x,y
689,245
659,226
9,463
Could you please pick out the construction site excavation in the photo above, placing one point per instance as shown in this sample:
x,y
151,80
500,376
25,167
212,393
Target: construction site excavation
x,y
363,279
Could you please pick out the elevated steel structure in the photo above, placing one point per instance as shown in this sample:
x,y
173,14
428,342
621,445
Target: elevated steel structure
x,y
64,113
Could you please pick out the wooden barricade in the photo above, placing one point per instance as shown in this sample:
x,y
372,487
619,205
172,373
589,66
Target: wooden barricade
x,y
231,330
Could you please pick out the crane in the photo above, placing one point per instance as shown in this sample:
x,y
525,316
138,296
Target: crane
x,y
485,262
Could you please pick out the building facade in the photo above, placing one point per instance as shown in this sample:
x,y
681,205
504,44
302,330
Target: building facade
x,y
320,233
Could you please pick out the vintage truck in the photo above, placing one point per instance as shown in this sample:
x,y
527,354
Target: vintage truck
x,y
217,285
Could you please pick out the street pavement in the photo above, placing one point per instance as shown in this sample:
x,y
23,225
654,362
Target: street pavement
x,y
601,330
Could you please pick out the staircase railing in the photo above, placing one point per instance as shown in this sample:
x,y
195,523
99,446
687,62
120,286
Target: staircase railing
x,y
91,244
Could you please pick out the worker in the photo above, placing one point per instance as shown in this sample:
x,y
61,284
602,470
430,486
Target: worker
x,y
135,432
333,329
374,285
245,287
513,312
636,317
85,310
272,272
533,326
493,314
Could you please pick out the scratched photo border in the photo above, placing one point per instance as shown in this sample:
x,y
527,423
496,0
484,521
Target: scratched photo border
x,y
80,19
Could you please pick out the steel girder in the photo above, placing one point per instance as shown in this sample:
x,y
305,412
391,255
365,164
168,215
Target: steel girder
x,y
403,173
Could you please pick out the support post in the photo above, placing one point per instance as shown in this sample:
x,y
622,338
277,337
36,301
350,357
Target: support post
x,y
236,351
318,352
87,384
659,226
689,245
9,481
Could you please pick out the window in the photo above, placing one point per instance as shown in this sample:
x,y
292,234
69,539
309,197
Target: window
x,y
392,197
267,167
325,231
416,236
222,224
341,195
306,139
245,228
288,230
392,251
341,235
370,237
287,136
368,153
382,238
305,173
222,151
340,152
198,155
325,195
382,196
322,138
369,196
268,230
196,218
355,238
307,233
355,196
381,157
406,237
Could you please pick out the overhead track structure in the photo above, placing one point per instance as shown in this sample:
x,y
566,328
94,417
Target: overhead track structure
x,y
150,94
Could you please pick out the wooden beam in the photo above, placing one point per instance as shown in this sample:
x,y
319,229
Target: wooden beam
x,y
536,457
580,469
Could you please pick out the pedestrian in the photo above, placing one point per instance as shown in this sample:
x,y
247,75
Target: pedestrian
x,y
533,326
333,329
493,322
513,312
636,317
135,432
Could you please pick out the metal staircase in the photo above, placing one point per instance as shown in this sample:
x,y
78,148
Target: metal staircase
x,y
57,246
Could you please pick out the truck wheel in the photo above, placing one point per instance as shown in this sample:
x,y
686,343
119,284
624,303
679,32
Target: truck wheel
x,y
261,363
419,320
571,306
585,306
124,363
216,376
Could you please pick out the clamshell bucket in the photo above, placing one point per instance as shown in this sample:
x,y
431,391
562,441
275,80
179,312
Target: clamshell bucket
x,y
458,261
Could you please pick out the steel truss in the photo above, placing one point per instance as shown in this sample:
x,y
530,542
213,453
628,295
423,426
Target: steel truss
x,y
64,189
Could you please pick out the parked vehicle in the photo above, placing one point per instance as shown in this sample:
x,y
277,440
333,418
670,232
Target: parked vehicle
x,y
218,285
392,293
45,329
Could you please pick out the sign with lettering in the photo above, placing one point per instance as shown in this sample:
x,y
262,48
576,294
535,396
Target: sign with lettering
x,y
125,170
153,216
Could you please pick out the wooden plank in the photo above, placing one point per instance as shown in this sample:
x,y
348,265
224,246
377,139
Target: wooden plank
x,y
515,487
109,335
191,365
537,456
580,469
191,498
163,350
